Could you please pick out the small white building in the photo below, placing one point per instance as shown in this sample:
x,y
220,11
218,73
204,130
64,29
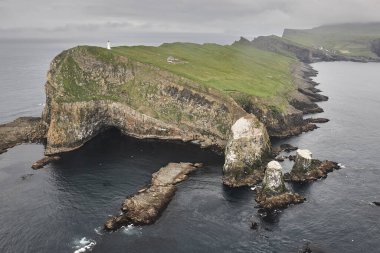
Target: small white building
x,y
170,59
108,45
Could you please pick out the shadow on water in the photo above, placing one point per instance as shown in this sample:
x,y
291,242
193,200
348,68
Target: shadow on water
x,y
236,194
113,143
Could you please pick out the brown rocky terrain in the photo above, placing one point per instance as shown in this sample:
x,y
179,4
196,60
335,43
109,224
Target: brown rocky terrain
x,y
141,100
144,207
21,130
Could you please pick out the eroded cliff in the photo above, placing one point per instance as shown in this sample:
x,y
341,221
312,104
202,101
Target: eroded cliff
x,y
90,90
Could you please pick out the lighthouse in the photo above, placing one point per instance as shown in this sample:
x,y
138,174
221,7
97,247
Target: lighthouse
x,y
109,45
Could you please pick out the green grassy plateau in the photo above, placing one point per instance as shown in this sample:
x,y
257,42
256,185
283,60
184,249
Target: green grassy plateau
x,y
345,39
239,70
226,68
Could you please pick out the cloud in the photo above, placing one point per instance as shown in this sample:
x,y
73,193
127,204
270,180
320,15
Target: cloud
x,y
226,18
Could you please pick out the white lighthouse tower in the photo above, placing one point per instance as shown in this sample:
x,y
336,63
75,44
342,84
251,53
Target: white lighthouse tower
x,y
109,45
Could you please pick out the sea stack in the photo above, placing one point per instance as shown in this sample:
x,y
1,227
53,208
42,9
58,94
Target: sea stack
x,y
273,193
306,169
273,182
147,204
303,160
245,152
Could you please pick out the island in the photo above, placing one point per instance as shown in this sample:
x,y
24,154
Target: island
x,y
229,98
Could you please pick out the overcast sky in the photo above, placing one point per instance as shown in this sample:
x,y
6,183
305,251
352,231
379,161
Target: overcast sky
x,y
157,21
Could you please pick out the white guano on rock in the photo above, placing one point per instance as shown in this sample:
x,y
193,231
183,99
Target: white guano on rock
x,y
303,160
273,182
248,144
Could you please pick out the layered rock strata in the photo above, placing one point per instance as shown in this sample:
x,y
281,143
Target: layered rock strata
x,y
144,207
89,91
21,130
289,121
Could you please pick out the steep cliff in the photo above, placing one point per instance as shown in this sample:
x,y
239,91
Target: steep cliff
x,y
91,89
283,46
375,46
347,42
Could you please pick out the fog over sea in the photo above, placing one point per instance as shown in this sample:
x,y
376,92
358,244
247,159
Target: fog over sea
x,y
62,207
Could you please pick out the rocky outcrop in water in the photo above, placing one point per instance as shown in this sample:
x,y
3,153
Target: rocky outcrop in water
x,y
317,120
273,194
144,207
245,152
44,161
273,182
306,169
21,130
303,161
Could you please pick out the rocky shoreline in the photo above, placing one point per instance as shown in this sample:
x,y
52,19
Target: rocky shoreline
x,y
222,124
21,130
68,125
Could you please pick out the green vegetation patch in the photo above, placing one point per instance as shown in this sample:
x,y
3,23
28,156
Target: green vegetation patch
x,y
344,39
230,69
226,68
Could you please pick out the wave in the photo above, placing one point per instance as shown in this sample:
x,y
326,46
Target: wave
x,y
84,245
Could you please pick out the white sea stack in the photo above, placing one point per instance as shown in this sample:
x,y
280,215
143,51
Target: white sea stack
x,y
248,144
273,182
303,160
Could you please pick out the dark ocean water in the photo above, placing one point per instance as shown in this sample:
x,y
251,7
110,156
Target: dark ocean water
x,y
62,207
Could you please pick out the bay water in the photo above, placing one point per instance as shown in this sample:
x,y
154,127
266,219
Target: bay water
x,y
62,207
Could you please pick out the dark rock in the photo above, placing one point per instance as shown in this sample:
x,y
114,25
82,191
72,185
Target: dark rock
x,y
317,120
375,46
318,169
288,147
147,204
254,225
44,161
27,176
279,201
306,248
281,46
315,90
311,248
280,158
315,97
276,151
21,130
376,203
273,195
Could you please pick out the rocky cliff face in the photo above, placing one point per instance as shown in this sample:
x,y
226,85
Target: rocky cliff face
x,y
245,152
21,130
282,46
90,90
289,121
375,47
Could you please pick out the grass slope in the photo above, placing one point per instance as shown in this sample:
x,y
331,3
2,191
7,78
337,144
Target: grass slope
x,y
226,68
345,39
238,70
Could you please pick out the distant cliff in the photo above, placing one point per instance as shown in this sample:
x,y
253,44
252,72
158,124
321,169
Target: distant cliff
x,y
351,41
